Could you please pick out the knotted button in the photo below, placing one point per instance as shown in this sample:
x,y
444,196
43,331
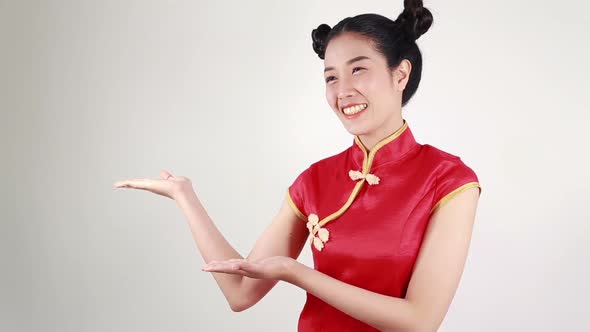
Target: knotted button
x,y
314,228
371,178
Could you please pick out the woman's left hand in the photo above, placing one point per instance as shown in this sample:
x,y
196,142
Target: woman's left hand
x,y
275,267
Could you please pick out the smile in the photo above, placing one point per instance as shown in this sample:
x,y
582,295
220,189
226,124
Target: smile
x,y
354,109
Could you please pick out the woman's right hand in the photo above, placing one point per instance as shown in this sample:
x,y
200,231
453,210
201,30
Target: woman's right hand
x,y
168,185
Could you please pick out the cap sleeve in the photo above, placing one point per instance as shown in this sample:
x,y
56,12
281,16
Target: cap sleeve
x,y
454,178
296,194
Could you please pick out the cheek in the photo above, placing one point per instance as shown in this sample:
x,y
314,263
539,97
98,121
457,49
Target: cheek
x,y
374,88
366,85
373,83
331,98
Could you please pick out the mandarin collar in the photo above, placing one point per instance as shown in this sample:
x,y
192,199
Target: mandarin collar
x,y
389,149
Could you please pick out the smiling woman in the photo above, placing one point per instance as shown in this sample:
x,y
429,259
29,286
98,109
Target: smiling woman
x,y
388,219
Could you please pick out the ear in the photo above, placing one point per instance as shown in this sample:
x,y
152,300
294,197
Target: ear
x,y
401,74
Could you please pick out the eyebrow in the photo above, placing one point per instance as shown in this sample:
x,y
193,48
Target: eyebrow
x,y
355,59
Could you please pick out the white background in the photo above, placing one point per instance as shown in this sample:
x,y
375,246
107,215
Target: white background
x,y
231,95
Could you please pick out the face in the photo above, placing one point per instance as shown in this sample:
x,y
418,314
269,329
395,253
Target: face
x,y
356,74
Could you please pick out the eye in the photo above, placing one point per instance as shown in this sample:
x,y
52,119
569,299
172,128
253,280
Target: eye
x,y
353,69
330,78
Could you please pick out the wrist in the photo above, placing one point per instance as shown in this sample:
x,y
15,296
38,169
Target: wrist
x,y
186,196
182,190
294,271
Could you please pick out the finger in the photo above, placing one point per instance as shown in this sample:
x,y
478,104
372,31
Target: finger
x,y
230,269
131,183
164,174
121,184
216,264
235,272
135,183
247,266
240,264
235,260
227,265
221,264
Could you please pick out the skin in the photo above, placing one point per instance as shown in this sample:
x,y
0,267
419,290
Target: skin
x,y
364,81
245,280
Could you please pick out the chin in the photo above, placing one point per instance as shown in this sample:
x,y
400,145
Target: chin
x,y
357,129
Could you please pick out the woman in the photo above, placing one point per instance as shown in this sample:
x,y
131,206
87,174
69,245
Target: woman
x,y
377,266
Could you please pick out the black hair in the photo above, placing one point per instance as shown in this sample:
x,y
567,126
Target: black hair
x,y
396,40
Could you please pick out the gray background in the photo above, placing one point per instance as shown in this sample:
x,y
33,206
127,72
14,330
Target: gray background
x,y
231,95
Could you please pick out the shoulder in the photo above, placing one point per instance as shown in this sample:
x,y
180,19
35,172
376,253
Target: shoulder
x,y
437,153
450,174
443,161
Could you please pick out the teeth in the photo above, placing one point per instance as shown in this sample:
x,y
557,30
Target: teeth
x,y
354,109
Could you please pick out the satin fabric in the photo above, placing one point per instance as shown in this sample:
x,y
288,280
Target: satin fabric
x,y
374,243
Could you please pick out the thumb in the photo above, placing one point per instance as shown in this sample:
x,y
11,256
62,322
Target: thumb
x,y
165,174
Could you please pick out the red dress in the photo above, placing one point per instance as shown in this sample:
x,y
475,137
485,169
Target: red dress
x,y
367,214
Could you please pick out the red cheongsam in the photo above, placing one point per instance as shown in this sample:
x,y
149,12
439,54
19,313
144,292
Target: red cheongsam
x,y
367,213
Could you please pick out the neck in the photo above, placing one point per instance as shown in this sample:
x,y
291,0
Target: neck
x,y
389,127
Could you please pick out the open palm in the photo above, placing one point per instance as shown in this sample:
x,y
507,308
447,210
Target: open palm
x,y
275,267
167,185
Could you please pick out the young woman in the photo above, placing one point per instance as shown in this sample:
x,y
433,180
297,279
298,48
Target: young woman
x,y
389,220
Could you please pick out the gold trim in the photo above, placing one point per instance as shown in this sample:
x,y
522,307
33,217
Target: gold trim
x,y
455,192
346,205
367,162
295,208
379,145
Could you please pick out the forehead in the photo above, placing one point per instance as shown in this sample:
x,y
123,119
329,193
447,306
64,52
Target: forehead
x,y
347,46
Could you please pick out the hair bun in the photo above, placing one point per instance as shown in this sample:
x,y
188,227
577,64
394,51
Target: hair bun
x,y
416,19
319,36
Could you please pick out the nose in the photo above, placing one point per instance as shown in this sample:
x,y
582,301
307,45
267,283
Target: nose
x,y
345,94
345,89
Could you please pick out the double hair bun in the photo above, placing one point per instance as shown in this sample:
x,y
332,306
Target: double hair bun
x,y
412,23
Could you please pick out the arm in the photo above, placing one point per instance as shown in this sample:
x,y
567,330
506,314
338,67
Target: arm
x,y
443,254
285,236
